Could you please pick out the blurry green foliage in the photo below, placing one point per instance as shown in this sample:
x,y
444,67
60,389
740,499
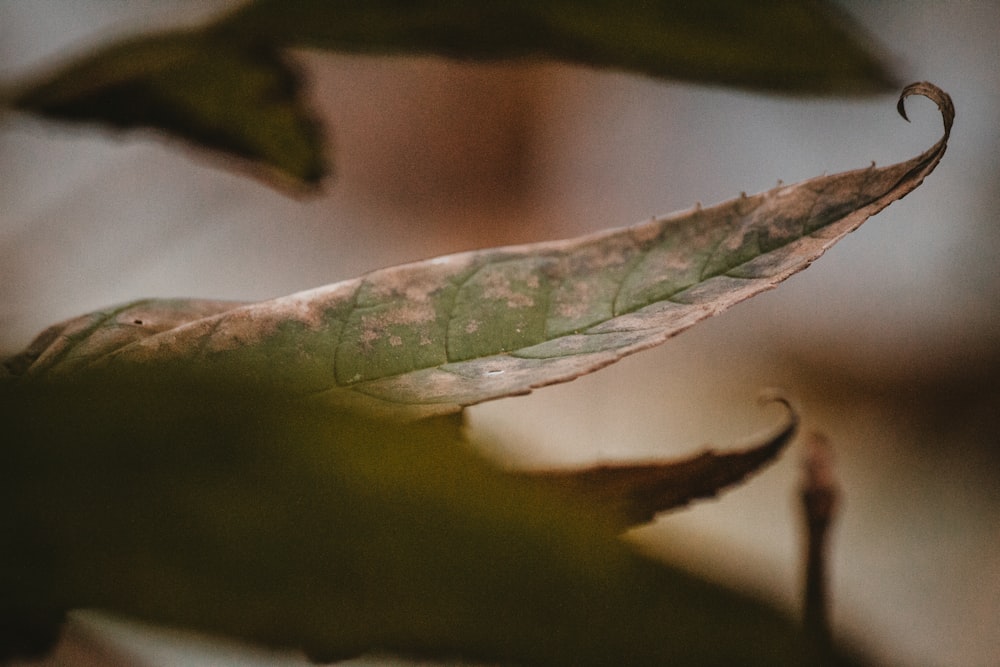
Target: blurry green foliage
x,y
228,86
246,514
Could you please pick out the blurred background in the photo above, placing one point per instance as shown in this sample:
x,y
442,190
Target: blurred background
x,y
888,344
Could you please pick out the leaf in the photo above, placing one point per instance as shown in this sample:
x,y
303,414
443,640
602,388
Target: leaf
x,y
802,47
244,514
243,100
227,87
635,493
433,336
83,339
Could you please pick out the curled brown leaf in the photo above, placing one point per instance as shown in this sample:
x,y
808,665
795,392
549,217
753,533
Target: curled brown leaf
x,y
637,492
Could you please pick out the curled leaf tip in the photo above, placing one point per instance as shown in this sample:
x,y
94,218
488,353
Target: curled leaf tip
x,y
773,395
933,93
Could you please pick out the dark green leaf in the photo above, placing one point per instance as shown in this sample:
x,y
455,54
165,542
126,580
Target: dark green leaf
x,y
227,88
778,45
243,100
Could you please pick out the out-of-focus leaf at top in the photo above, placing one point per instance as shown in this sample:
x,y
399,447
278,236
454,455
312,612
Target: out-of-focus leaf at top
x,y
434,336
243,100
244,514
227,88
778,45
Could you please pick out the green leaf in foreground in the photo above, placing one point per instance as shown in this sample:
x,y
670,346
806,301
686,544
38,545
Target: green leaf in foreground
x,y
783,45
242,100
433,336
275,522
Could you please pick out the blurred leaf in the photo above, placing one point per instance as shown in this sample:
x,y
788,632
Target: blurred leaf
x,y
226,87
247,515
780,45
243,100
433,336
635,493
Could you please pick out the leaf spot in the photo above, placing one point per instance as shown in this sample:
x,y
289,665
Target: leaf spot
x,y
497,286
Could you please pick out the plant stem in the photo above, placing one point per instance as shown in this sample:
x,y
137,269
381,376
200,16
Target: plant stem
x,y
820,496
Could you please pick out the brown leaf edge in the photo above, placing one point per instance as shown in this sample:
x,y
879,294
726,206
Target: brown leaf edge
x,y
635,493
930,158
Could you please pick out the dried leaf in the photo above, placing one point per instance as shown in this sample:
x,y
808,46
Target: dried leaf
x,y
636,492
434,336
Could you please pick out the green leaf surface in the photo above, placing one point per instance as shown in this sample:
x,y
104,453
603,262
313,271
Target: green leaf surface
x,y
243,100
245,514
434,336
779,45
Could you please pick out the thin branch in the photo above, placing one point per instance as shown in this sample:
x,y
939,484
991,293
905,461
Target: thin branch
x,y
820,496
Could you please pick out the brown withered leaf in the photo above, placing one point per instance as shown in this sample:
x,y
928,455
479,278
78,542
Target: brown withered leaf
x,y
637,492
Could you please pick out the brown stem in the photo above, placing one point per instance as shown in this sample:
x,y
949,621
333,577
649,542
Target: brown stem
x,y
819,499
